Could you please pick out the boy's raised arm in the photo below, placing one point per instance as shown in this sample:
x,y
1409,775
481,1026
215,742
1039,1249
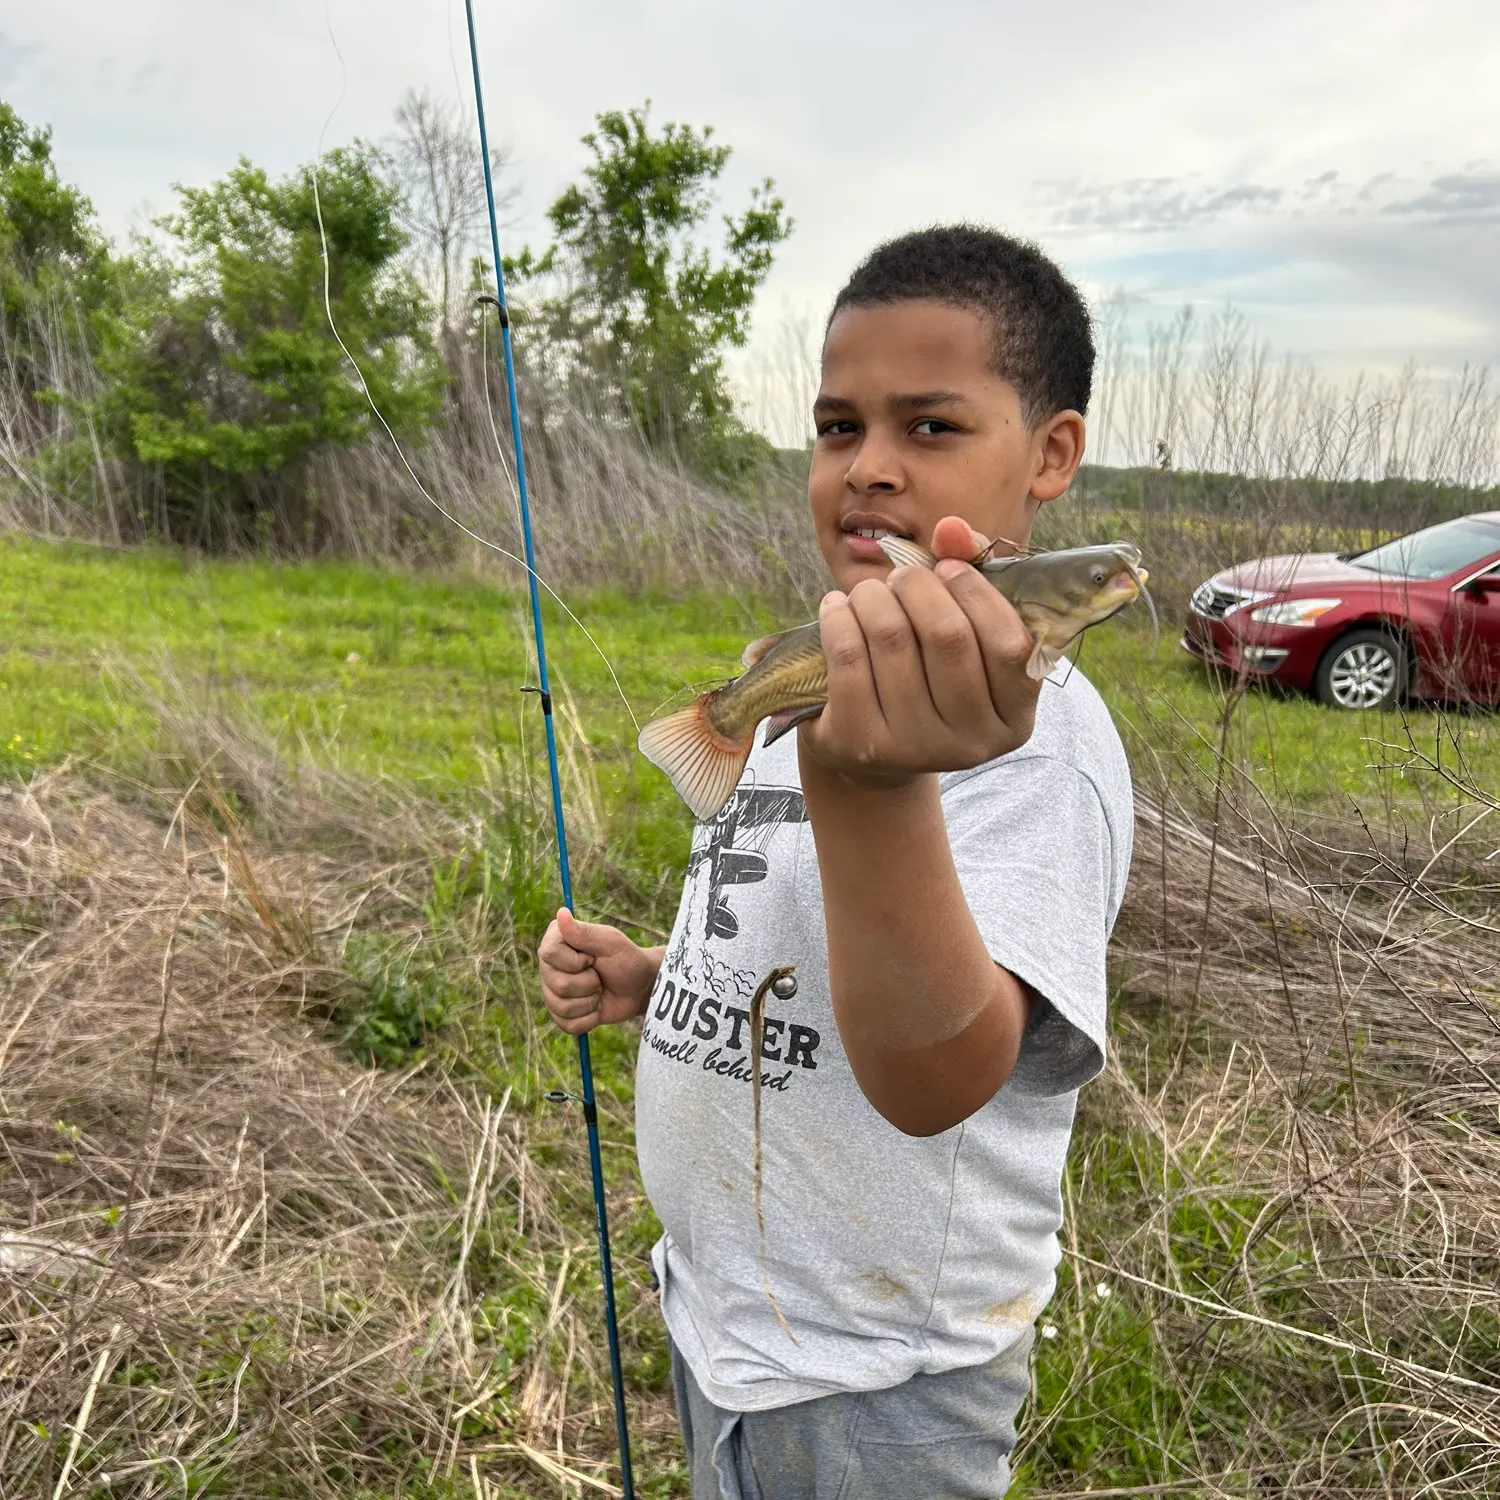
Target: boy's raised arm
x,y
931,1024
925,675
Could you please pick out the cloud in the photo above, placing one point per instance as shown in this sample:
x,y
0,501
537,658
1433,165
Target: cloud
x,y
1164,205
1190,153
1455,198
1153,204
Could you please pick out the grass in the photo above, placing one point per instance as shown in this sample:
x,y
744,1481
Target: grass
x,y
1280,1132
387,674
392,675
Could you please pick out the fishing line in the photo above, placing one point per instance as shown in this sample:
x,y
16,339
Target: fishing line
x,y
380,416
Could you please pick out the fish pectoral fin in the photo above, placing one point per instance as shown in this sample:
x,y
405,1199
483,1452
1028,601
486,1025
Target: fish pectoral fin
x,y
905,553
757,649
701,763
1042,660
789,718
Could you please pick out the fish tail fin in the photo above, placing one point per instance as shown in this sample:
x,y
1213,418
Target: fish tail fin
x,y
702,764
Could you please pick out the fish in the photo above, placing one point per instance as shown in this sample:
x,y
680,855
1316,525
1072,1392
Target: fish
x,y
703,748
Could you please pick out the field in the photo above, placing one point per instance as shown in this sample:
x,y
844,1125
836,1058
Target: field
x,y
287,1213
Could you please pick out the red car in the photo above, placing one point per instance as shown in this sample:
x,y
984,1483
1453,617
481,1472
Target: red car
x,y
1417,617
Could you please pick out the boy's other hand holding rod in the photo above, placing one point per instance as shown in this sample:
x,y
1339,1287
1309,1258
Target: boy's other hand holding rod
x,y
594,975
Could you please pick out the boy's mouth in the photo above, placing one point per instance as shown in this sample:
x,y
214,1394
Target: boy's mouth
x,y
862,534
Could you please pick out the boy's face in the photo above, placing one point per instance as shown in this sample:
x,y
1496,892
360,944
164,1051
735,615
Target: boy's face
x,y
914,425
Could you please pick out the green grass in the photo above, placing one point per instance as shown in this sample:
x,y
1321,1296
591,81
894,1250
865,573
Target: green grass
x,y
391,674
418,679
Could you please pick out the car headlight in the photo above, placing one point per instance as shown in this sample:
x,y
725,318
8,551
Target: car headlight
x,y
1294,611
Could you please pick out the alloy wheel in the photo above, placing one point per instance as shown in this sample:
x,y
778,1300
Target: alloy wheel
x,y
1362,675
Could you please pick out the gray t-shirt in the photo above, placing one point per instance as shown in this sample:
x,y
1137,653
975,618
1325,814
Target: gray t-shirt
x,y
888,1254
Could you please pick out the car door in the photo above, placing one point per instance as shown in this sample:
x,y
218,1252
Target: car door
x,y
1473,632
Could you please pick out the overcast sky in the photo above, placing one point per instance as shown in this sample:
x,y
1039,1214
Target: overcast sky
x,y
1332,167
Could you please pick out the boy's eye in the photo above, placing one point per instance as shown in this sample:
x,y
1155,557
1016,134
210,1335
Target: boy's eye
x,y
933,427
839,427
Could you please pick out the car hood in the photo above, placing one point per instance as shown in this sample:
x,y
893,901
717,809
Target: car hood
x,y
1299,570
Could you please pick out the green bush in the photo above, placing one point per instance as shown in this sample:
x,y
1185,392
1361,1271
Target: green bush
x,y
224,376
54,268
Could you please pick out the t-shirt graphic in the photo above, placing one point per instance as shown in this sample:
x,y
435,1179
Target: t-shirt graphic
x,y
699,1014
888,1254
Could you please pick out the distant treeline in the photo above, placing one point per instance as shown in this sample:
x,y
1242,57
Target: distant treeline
x,y
1396,503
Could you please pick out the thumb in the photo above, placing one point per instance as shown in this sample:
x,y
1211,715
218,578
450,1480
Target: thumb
x,y
954,537
592,938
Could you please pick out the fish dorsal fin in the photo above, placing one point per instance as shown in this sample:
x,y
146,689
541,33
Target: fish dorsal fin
x,y
757,649
905,553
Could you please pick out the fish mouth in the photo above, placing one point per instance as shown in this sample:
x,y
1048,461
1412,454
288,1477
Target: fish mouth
x,y
1128,585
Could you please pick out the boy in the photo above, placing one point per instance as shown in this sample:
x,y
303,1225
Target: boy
x,y
941,854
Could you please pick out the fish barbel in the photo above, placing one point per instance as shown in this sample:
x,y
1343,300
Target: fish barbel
x,y
703,747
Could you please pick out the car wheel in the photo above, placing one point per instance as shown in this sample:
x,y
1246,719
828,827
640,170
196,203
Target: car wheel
x,y
1364,669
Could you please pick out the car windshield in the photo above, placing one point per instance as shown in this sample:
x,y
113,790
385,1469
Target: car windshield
x,y
1435,552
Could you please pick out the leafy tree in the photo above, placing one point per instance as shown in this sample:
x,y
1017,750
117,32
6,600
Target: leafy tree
x,y
225,375
644,307
52,263
44,220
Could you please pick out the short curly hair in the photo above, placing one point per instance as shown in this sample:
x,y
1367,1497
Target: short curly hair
x,y
1042,335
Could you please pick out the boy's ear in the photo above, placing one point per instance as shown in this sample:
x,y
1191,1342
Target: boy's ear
x,y
1058,447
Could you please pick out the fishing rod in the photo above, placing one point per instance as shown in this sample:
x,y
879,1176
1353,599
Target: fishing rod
x,y
544,692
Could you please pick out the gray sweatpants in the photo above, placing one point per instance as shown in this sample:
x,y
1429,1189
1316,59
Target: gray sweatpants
x,y
934,1437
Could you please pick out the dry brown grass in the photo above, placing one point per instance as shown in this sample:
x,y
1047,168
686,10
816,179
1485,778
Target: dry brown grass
x,y
230,1253
1290,1176
226,1249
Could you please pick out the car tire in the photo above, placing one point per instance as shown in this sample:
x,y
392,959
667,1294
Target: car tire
x,y
1362,670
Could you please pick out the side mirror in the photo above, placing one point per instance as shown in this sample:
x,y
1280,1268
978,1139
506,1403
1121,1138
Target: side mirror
x,y
1486,583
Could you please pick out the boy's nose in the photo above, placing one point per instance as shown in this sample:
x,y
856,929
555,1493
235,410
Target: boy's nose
x,y
874,468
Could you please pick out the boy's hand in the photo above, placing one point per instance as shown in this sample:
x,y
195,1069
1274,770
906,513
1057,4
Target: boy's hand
x,y
926,671
593,975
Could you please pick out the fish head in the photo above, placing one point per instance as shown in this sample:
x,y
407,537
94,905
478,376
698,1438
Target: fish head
x,y
1082,585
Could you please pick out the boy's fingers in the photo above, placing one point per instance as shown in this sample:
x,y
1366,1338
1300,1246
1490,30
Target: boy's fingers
x,y
948,647
577,1025
951,658
575,1009
557,953
591,938
1005,643
850,680
575,986
895,660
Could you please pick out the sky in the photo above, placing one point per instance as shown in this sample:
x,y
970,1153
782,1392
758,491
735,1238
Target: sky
x,y
1331,168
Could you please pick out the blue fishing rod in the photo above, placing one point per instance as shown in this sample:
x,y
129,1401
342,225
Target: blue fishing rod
x,y
544,691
